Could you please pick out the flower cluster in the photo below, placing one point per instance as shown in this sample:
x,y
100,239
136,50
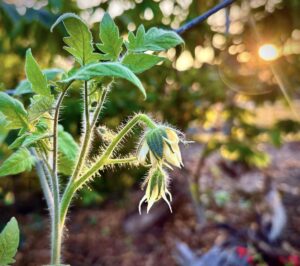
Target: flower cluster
x,y
160,146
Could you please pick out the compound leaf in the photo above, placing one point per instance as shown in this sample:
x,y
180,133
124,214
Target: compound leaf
x,y
79,41
154,39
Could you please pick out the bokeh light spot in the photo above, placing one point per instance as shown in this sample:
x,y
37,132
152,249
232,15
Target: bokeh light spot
x,y
268,52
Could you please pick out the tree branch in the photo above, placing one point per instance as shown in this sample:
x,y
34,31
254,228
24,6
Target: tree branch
x,y
194,22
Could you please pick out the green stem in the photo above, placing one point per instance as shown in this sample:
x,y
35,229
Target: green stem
x,y
73,187
121,160
56,232
43,180
86,106
100,106
87,135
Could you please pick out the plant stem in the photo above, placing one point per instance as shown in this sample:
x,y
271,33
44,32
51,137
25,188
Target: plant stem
x,y
56,232
88,132
73,187
100,106
43,180
86,106
121,160
57,226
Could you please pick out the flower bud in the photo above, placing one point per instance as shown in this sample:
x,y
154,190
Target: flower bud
x,y
162,145
157,182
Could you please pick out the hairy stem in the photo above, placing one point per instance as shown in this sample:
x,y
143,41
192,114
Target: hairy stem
x,y
88,132
57,225
122,160
86,106
72,188
100,106
56,234
43,180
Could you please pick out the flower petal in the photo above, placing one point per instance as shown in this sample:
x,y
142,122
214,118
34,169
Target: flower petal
x,y
171,157
169,194
172,136
167,201
141,202
142,154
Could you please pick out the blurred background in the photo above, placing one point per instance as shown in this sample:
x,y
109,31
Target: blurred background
x,y
234,89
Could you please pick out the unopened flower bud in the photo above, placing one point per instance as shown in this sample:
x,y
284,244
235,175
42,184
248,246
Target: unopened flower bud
x,y
162,145
157,182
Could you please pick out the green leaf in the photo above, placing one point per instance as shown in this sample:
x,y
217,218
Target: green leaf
x,y
14,111
68,152
18,162
9,242
138,63
154,39
18,142
40,105
106,69
111,44
80,41
27,139
25,86
35,76
3,128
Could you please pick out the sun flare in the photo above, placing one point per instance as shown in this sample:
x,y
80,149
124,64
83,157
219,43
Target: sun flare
x,y
268,52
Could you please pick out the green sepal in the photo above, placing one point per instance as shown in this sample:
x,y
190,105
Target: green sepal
x,y
155,141
156,179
